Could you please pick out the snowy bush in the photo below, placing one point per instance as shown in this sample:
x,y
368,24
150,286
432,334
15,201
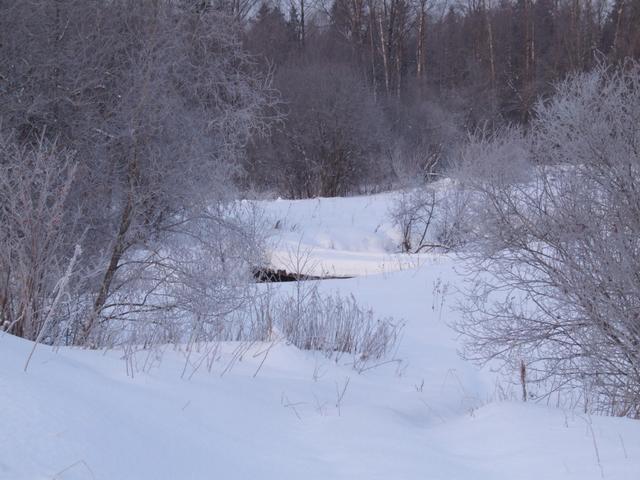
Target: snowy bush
x,y
311,320
413,213
431,218
454,226
555,266
334,324
37,233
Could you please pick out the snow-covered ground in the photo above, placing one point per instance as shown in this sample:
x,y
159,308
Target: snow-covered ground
x,y
351,236
281,413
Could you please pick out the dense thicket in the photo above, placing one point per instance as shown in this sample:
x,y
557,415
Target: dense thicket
x,y
122,124
332,139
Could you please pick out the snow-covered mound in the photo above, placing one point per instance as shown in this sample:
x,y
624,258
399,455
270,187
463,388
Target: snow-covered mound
x,y
271,411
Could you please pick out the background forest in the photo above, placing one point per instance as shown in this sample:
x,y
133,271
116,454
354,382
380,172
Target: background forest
x,y
381,90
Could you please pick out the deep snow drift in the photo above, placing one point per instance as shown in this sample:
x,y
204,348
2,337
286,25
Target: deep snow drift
x,y
424,413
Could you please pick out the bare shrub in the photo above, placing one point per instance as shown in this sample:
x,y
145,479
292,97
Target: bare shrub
x,y
37,234
412,212
432,218
454,225
425,133
555,267
311,320
188,287
492,156
334,325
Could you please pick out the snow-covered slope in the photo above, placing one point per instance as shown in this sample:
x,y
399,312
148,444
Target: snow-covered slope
x,y
76,414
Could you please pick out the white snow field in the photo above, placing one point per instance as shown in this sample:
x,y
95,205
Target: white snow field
x,y
350,236
281,413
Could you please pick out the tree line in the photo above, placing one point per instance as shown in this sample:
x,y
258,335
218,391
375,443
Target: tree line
x,y
418,74
508,51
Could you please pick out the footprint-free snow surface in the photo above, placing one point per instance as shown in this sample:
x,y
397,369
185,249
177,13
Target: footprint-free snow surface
x,y
271,411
